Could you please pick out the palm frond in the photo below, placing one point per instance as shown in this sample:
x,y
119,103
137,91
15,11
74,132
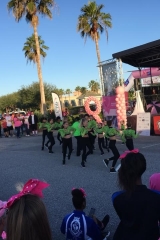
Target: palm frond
x,y
30,50
92,21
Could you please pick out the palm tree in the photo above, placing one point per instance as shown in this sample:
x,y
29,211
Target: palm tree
x,y
83,90
78,89
31,9
91,23
94,86
31,51
68,91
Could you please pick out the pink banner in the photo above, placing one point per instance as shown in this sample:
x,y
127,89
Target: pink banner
x,y
109,105
146,73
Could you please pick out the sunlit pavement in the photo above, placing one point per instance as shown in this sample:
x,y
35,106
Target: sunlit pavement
x,y
22,159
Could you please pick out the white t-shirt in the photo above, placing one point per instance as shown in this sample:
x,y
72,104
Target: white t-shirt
x,y
9,121
32,119
26,119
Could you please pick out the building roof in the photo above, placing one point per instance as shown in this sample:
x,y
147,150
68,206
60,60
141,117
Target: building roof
x,y
146,55
88,94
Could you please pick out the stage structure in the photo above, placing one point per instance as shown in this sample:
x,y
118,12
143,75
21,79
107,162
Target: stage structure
x,y
147,79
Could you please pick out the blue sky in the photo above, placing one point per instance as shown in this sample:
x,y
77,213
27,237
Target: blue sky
x,y
69,61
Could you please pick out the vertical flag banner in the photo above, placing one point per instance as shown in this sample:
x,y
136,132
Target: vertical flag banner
x,y
143,124
57,105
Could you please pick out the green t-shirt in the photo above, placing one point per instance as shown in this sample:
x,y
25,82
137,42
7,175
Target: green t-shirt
x,y
76,126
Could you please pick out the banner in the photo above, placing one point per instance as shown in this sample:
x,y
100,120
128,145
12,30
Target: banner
x,y
156,123
57,105
110,77
143,124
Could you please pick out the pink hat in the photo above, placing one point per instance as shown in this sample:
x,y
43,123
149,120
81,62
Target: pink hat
x,y
154,181
2,210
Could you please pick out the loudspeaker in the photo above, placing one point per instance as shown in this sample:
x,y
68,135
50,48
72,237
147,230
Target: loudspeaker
x,y
137,84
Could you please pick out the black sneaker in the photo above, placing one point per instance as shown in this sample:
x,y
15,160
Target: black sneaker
x,y
112,170
83,165
105,221
50,151
108,149
106,162
69,156
102,153
63,162
42,148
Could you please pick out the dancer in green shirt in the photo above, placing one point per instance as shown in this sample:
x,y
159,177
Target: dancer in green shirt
x,y
100,132
66,134
128,135
111,134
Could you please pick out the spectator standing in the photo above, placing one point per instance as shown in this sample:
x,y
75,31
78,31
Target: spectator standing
x,y
33,121
9,124
17,124
4,126
26,124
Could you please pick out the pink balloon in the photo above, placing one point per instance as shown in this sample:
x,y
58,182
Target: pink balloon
x,y
118,111
116,99
117,105
120,90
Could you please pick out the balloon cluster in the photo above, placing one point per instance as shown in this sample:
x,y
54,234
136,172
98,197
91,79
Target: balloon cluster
x,y
98,108
120,106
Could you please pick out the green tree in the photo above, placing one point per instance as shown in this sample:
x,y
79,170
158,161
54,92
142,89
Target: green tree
x,y
94,86
83,90
30,50
31,9
91,23
68,92
77,89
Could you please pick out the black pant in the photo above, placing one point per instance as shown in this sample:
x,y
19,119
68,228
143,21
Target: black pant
x,y
59,138
106,141
22,128
129,144
51,140
116,155
44,134
92,139
66,142
27,129
79,145
101,144
18,131
86,144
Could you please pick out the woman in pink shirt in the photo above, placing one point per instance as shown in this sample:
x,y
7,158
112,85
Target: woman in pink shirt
x,y
17,124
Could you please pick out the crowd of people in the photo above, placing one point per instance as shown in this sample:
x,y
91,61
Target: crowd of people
x,y
18,123
85,130
24,216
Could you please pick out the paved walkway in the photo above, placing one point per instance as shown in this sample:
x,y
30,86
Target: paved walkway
x,y
22,159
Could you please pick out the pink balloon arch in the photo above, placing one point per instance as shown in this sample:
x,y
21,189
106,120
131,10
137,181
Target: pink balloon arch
x,y
98,109
120,106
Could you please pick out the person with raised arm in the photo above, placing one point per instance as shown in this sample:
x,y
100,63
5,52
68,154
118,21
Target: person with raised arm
x,y
111,133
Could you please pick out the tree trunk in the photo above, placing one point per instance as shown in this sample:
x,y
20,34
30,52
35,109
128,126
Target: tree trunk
x,y
41,85
100,68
